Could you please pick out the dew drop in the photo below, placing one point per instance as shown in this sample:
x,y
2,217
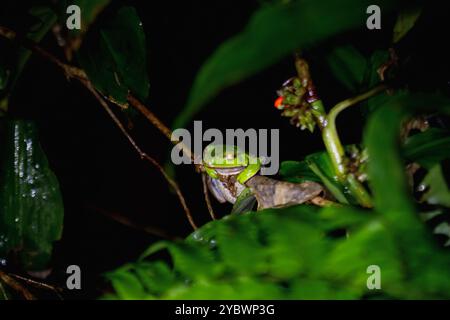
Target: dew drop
x,y
421,187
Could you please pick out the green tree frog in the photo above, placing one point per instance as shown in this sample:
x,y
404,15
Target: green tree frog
x,y
228,168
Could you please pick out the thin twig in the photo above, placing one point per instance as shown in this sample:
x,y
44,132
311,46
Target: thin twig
x,y
9,281
143,155
207,199
120,218
39,284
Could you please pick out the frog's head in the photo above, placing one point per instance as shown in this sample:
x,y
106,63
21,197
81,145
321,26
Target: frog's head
x,y
224,156
223,160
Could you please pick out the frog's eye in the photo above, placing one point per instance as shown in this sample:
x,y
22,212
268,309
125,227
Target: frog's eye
x,y
279,103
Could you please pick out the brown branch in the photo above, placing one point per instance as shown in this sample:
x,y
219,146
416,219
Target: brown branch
x,y
73,72
39,284
207,199
16,286
120,218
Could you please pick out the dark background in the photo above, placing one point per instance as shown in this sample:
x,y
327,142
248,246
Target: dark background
x,y
99,171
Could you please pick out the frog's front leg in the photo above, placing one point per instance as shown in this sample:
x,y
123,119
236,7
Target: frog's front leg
x,y
215,189
249,172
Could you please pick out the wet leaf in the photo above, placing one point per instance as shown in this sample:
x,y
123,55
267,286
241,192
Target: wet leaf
x,y
31,207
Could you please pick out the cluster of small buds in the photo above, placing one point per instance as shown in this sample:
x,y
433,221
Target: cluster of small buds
x,y
293,100
357,162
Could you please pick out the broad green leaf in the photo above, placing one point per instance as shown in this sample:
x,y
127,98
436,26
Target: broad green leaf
x,y
320,164
193,260
156,277
438,192
115,57
315,289
273,32
428,148
297,172
127,285
291,254
405,21
348,66
31,207
377,59
239,245
370,245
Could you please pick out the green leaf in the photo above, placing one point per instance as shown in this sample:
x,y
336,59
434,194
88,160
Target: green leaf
x,y
321,165
348,65
386,167
31,207
289,255
428,148
127,285
377,59
405,21
115,58
239,246
44,18
273,32
370,245
438,192
297,172
156,277
193,260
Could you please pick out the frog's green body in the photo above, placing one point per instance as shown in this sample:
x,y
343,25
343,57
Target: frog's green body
x,y
228,168
229,160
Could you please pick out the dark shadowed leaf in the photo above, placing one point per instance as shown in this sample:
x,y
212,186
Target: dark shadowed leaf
x,y
43,19
297,172
115,57
31,207
348,65
405,21
428,148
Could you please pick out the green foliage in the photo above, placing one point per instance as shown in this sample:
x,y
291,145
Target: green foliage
x,y
348,65
275,30
438,192
304,252
405,21
115,57
31,207
43,19
428,148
